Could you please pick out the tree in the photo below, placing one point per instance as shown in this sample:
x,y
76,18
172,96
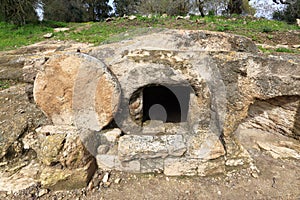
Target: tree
x,y
125,7
18,12
170,7
97,9
239,7
290,13
235,7
76,10
67,11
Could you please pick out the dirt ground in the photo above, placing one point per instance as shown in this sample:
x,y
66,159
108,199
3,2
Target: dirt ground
x,y
277,179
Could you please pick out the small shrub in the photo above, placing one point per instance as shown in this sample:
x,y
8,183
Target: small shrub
x,y
222,28
4,85
266,29
285,50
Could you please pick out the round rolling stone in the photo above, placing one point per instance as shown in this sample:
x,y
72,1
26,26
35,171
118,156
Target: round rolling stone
x,y
77,89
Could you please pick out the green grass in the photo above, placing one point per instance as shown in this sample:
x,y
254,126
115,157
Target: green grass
x,y
4,84
284,50
12,37
281,50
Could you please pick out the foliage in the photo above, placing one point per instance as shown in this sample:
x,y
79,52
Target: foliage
x,y
285,50
13,36
240,7
159,7
97,10
290,13
4,84
67,11
125,7
18,12
76,10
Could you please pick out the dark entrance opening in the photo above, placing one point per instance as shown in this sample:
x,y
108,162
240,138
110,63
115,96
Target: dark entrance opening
x,y
167,104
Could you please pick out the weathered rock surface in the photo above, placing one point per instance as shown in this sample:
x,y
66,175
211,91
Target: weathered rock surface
x,y
62,145
17,116
278,115
23,179
232,94
144,147
64,105
192,167
12,62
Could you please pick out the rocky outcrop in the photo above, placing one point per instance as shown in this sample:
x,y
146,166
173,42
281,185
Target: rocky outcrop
x,y
176,102
277,115
18,116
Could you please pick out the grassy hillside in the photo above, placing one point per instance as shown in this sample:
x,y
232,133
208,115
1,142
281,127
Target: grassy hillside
x,y
259,30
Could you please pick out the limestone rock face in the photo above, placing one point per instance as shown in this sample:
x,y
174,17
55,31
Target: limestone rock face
x,y
17,115
278,115
212,92
62,145
67,78
226,74
143,147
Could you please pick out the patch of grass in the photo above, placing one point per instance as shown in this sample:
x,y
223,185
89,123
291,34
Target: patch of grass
x,y
284,50
266,29
12,37
4,84
264,50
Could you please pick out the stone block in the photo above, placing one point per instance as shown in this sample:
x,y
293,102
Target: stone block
x,y
143,147
191,167
152,165
112,162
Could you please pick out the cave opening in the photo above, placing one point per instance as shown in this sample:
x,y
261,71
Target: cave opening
x,y
166,103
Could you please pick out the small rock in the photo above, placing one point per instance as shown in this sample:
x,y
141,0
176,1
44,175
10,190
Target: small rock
x,y
296,46
102,149
254,174
107,184
118,180
42,192
164,15
48,35
56,30
298,22
109,19
113,135
282,46
187,17
105,178
179,17
132,17
219,193
150,16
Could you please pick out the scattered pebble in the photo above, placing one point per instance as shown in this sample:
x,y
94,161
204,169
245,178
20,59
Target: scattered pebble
x,y
105,177
42,192
118,180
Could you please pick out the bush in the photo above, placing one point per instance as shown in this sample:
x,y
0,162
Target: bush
x,y
159,7
290,14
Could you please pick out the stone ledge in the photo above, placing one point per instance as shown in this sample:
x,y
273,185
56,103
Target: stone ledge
x,y
143,147
192,167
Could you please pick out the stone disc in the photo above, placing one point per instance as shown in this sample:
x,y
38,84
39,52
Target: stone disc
x,y
77,89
